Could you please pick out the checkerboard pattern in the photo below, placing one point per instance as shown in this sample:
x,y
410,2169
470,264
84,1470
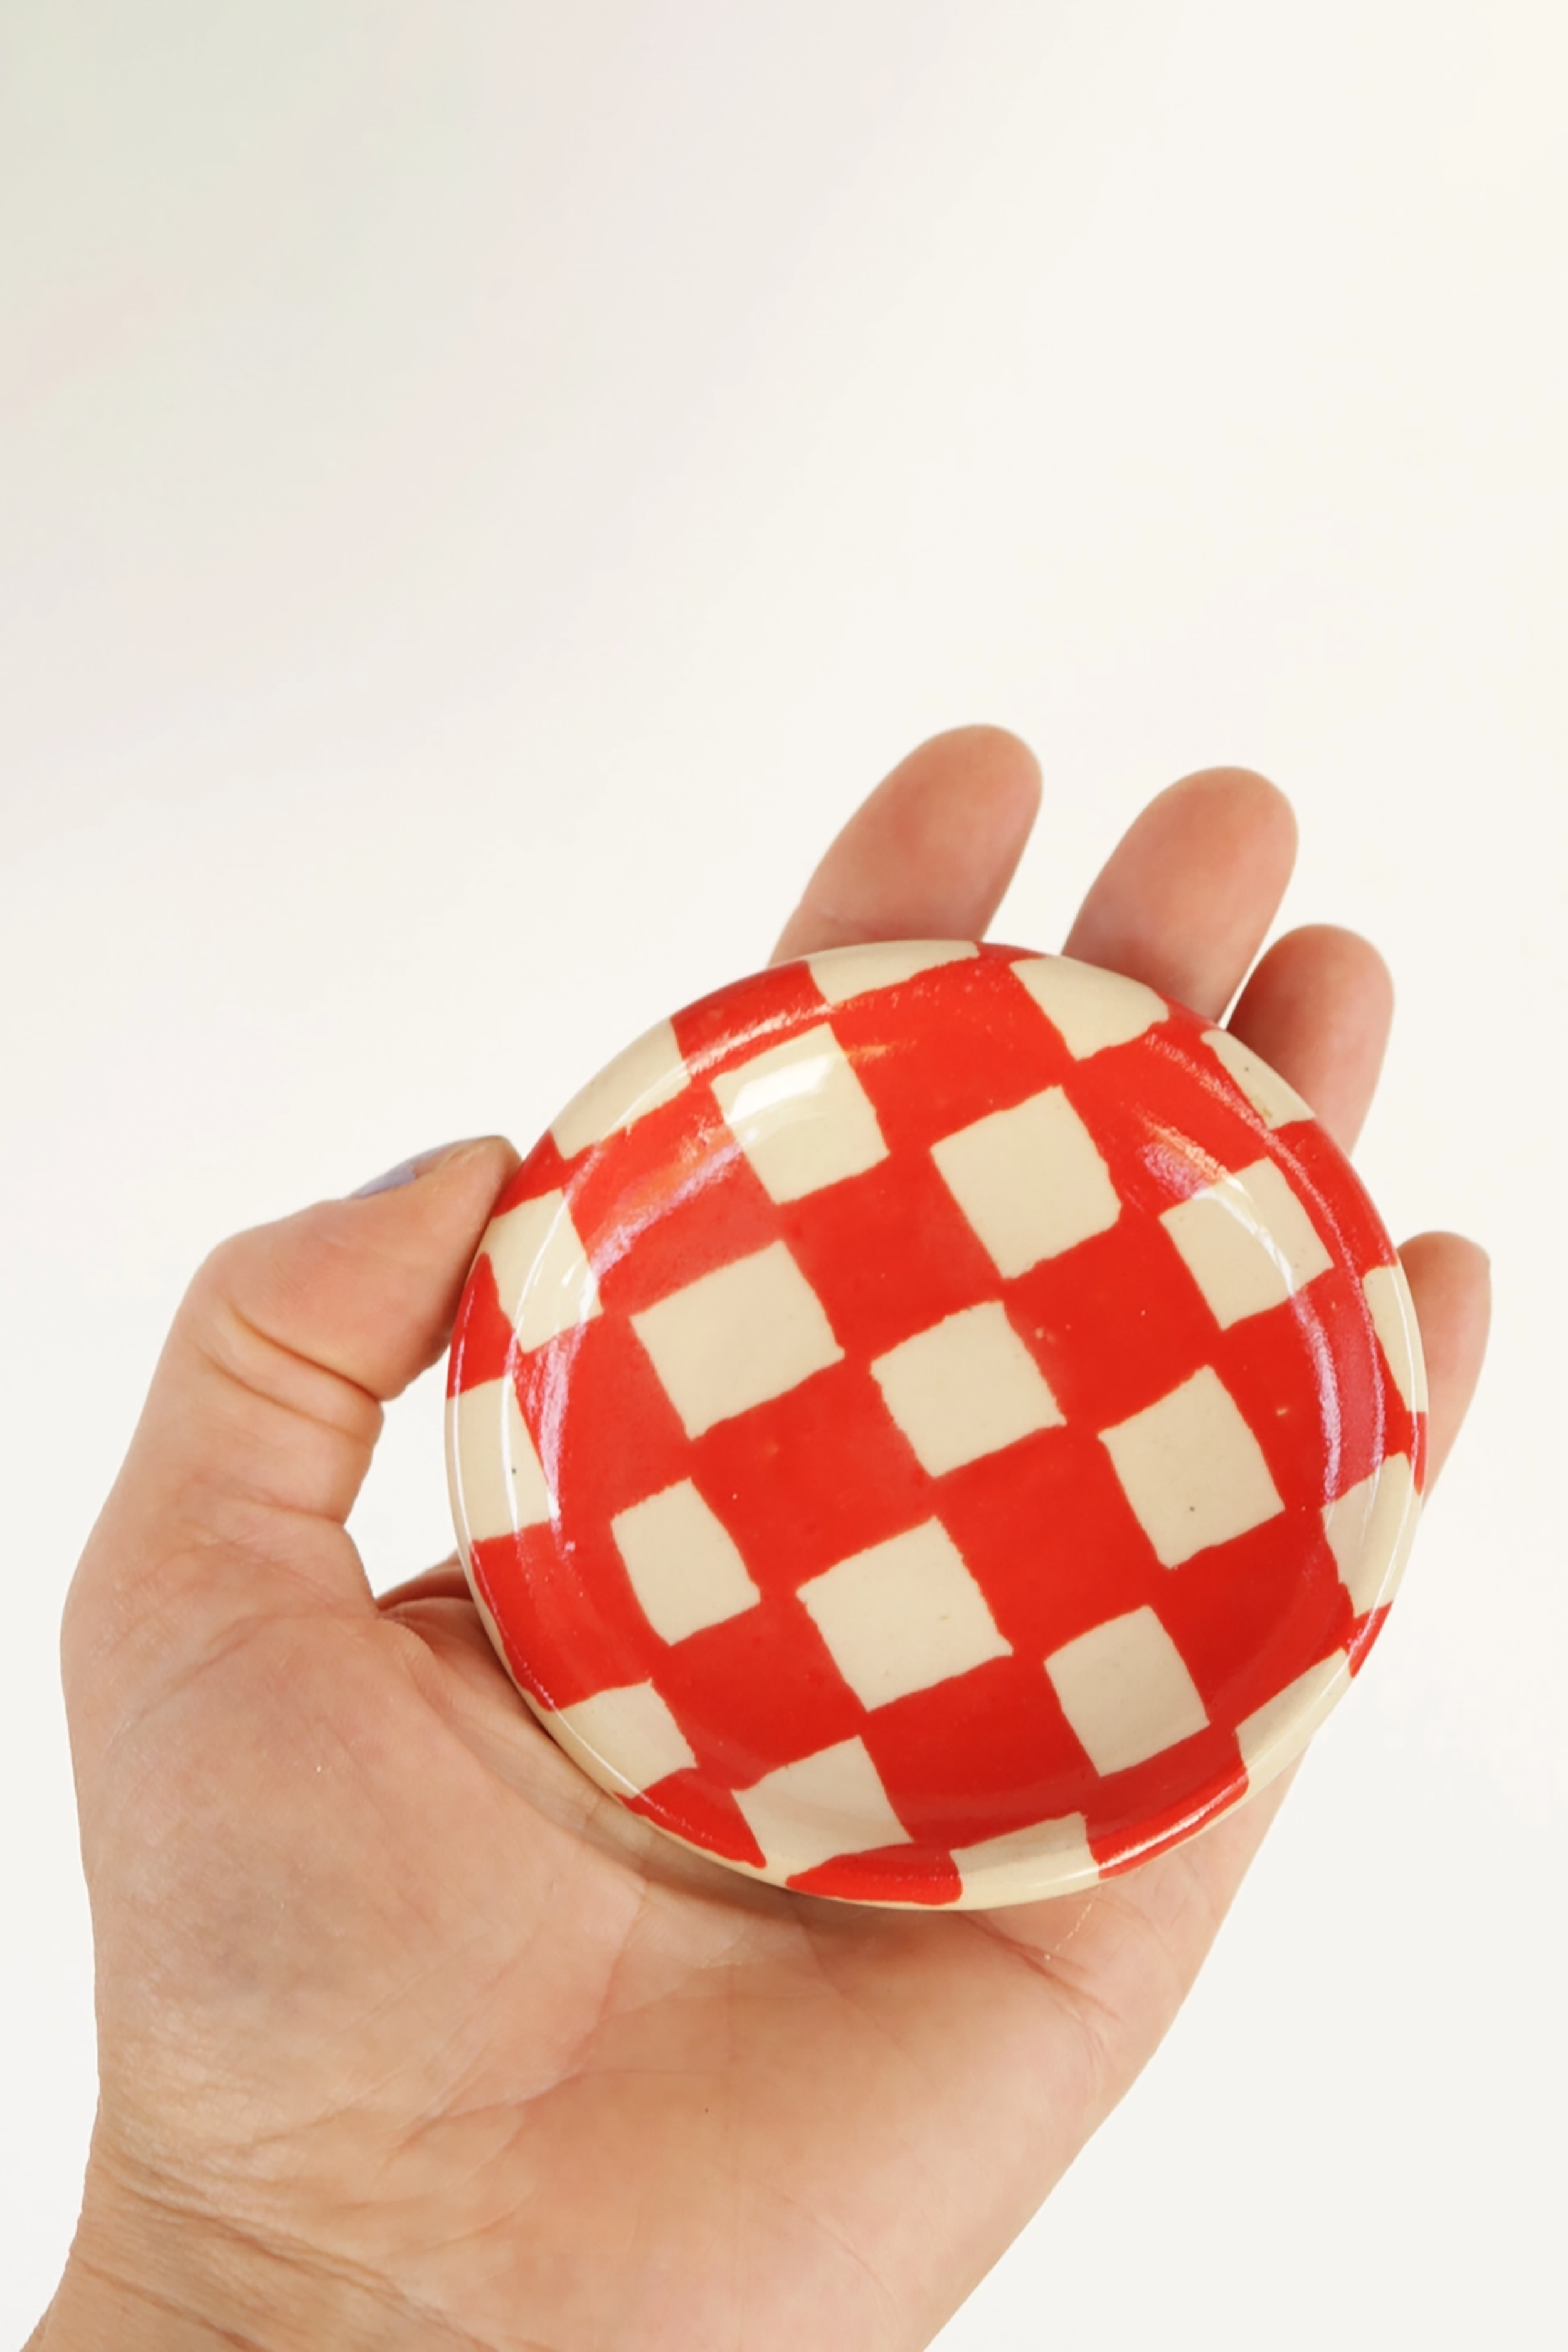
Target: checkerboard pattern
x,y
934,1424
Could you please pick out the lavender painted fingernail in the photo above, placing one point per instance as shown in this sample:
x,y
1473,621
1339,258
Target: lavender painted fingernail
x,y
406,1171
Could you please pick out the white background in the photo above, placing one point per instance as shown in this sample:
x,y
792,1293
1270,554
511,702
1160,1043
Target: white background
x,y
482,491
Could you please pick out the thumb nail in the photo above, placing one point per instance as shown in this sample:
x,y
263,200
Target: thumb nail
x,y
406,1171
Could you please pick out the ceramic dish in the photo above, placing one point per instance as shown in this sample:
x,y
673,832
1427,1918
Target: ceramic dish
x,y
935,1424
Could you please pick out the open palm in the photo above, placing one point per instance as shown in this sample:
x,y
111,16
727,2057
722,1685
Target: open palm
x,y
408,2036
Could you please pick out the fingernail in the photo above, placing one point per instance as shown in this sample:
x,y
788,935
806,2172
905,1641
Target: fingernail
x,y
406,1171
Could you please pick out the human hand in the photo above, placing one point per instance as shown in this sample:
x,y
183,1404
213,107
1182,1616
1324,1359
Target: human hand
x,y
407,2036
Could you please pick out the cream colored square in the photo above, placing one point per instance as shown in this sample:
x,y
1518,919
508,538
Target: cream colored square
x,y
648,1073
1276,1103
497,1481
1370,1528
964,1387
1089,1009
1275,1734
903,1615
1393,1319
1125,1690
843,972
1192,1469
801,1116
736,1338
829,1804
685,1566
1046,1858
1030,1181
543,1279
1247,1241
625,1740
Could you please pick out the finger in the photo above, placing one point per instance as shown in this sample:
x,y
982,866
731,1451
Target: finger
x,y
445,1582
1187,894
1317,1009
266,1405
929,854
1450,1281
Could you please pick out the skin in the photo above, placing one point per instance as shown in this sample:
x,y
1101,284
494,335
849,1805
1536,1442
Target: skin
x,y
407,2036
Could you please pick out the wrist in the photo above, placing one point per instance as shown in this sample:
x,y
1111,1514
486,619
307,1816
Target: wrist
x,y
94,2307
145,2279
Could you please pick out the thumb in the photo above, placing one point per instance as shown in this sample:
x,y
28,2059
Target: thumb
x,y
262,1416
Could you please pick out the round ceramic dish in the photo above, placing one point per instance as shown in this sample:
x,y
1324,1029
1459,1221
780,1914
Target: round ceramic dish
x,y
935,1424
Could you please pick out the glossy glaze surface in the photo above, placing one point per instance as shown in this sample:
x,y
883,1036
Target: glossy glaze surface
x,y
935,1424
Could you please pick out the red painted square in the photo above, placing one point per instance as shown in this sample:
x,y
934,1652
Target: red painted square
x,y
890,1254
758,1692
1047,1535
1015,1740
815,1476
